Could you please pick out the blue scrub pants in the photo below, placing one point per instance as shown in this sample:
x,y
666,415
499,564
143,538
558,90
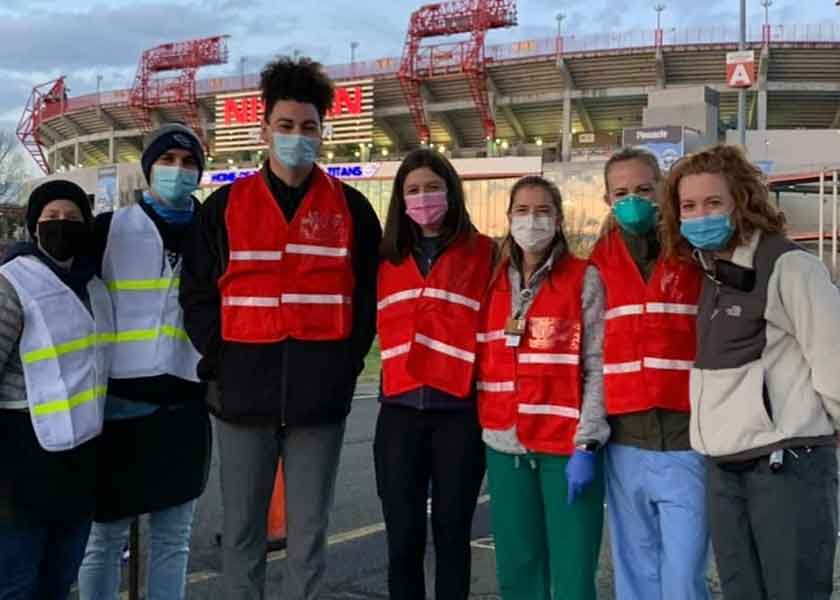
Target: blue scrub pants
x,y
659,528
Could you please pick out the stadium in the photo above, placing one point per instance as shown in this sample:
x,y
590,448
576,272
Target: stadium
x,y
558,106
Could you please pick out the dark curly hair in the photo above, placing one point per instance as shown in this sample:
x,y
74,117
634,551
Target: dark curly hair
x,y
303,81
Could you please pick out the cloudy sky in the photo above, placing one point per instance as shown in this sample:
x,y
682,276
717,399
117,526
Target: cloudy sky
x,y
42,39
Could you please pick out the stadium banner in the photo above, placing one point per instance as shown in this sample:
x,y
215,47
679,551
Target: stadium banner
x,y
666,143
239,117
105,199
467,168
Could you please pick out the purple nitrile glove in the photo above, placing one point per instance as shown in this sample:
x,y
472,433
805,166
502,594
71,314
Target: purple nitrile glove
x,y
580,472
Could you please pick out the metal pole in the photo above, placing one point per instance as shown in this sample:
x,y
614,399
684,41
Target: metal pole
x,y
834,227
353,46
821,218
658,35
134,560
98,89
242,70
560,17
742,94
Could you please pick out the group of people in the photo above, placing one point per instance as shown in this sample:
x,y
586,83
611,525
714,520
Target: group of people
x,y
683,374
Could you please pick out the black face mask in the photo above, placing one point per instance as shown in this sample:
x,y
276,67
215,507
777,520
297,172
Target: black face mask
x,y
63,239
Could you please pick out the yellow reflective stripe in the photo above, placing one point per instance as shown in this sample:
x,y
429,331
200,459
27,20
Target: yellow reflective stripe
x,y
57,406
68,347
175,332
142,285
137,335
146,335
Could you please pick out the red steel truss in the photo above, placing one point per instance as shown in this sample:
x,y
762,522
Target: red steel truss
x,y
174,92
466,57
47,100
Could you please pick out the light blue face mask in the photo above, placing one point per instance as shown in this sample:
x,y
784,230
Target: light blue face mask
x,y
296,151
711,232
175,185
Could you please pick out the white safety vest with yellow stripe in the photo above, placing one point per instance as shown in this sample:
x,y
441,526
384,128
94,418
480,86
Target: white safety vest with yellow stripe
x,y
150,336
64,350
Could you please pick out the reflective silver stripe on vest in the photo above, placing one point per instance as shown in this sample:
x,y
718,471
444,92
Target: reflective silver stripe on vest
x,y
312,250
259,301
549,409
268,255
548,359
443,348
402,296
495,386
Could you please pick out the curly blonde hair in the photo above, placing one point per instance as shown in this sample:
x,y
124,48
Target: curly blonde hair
x,y
753,210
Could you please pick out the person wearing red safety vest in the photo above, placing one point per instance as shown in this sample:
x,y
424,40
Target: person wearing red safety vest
x,y
433,274
539,392
655,482
279,297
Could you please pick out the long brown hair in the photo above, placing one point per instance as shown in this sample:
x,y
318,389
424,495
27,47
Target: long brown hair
x,y
626,154
753,209
509,249
401,233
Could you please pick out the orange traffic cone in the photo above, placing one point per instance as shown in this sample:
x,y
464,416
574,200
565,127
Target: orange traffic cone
x,y
277,512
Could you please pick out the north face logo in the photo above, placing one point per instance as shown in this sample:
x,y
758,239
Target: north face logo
x,y
734,310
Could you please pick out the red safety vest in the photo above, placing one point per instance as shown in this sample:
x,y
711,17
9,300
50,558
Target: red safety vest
x,y
536,385
427,327
649,340
287,279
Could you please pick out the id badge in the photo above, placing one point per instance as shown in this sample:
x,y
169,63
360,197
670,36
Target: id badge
x,y
515,327
514,330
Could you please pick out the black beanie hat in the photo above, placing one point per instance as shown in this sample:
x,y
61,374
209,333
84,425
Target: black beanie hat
x,y
57,189
171,135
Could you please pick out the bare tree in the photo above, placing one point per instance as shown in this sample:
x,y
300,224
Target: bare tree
x,y
13,170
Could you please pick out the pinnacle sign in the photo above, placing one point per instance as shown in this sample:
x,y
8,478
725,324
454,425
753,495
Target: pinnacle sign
x,y
740,69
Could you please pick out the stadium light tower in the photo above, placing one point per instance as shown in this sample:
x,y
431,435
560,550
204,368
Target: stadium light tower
x,y
766,4
766,29
657,36
659,8
353,46
560,18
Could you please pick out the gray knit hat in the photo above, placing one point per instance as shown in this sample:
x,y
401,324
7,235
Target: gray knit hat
x,y
168,136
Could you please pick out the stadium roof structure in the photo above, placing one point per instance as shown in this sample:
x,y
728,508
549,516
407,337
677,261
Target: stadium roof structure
x,y
603,80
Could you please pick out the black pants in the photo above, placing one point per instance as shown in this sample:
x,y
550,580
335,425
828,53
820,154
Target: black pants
x,y
774,534
411,448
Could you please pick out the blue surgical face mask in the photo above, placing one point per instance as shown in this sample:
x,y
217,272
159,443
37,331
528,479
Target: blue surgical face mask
x,y
635,214
711,232
296,151
175,185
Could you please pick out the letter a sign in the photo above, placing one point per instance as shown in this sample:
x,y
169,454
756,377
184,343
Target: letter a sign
x,y
740,69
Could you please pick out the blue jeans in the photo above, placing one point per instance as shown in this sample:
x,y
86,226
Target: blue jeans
x,y
659,528
169,550
40,562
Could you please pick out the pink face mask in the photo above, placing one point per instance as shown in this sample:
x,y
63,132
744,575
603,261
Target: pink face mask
x,y
427,208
